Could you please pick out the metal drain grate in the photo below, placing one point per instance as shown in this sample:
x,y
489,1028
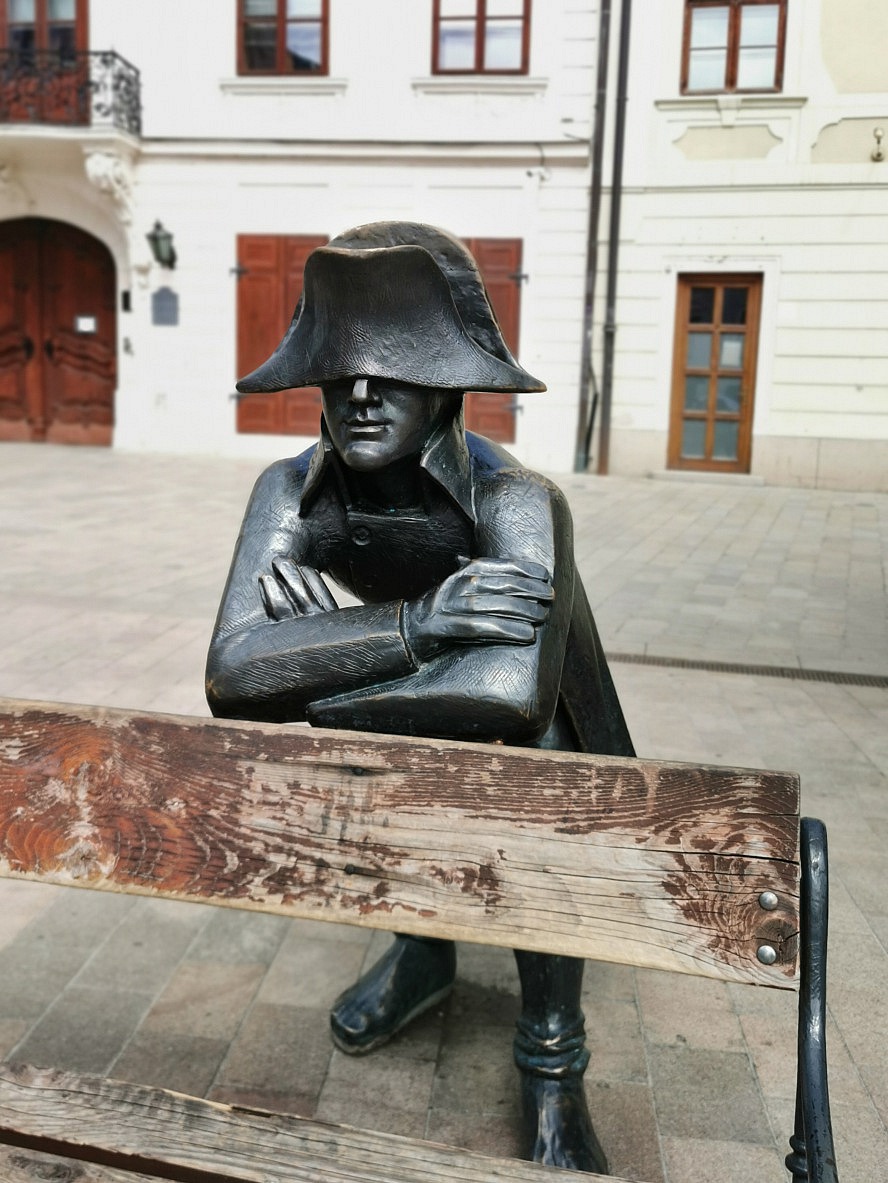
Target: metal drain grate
x,y
836,677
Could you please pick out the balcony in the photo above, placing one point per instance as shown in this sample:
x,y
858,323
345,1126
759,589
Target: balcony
x,y
97,89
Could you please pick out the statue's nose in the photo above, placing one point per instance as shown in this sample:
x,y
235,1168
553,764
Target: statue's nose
x,y
363,392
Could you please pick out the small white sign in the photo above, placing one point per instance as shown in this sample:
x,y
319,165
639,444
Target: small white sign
x,y
85,324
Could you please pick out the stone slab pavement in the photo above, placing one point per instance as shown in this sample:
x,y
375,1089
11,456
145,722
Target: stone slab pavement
x,y
111,566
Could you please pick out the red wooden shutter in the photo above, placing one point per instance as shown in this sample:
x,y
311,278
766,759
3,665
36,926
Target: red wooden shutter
x,y
269,287
499,261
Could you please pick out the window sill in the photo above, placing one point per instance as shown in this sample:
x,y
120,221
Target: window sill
x,y
726,103
479,84
283,84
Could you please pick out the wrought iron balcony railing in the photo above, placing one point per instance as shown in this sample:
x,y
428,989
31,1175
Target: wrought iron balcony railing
x,y
89,89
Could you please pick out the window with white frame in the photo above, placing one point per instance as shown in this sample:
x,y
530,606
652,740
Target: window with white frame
x,y
481,36
283,36
733,46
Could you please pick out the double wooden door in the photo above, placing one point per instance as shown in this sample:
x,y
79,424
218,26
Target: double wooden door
x,y
58,360
270,283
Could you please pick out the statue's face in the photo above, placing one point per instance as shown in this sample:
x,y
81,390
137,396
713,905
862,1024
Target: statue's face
x,y
375,422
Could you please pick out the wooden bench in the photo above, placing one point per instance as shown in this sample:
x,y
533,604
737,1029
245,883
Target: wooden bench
x,y
696,869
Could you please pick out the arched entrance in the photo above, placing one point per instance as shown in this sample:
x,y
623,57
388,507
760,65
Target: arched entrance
x,y
58,334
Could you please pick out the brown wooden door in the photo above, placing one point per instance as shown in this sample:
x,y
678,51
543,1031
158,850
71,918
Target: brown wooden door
x,y
499,261
270,268
58,334
713,374
47,74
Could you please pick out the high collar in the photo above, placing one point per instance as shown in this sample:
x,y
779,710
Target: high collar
x,y
445,458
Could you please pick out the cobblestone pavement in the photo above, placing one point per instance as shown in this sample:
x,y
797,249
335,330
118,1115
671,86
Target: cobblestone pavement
x,y
111,568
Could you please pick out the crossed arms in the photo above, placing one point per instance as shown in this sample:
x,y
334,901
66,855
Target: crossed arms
x,y
477,656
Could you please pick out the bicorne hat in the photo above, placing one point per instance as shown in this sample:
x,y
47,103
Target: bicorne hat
x,y
393,300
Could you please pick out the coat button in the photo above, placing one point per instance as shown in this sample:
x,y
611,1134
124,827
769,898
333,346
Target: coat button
x,y
360,535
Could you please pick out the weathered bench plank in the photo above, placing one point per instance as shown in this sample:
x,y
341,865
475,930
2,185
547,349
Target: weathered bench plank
x,y
18,1165
656,865
170,1136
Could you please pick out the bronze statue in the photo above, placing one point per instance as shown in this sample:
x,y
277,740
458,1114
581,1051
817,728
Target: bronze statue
x,y
473,623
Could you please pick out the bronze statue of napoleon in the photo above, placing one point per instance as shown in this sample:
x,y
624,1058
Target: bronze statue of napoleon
x,y
472,623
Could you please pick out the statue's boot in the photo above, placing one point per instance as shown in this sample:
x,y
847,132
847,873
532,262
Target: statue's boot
x,y
551,1054
412,975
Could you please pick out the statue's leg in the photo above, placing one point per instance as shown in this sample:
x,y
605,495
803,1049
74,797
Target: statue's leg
x,y
412,975
551,1054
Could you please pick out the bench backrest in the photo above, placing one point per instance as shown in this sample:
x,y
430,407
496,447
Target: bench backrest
x,y
670,866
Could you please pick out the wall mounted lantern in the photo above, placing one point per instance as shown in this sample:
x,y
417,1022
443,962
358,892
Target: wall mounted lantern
x,y
161,243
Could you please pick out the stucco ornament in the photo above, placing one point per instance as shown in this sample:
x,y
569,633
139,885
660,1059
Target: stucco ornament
x,y
112,175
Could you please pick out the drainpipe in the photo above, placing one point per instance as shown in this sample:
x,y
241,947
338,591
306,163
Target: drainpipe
x,y
613,246
586,417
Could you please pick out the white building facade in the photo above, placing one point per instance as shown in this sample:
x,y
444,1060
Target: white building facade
x,y
753,262
249,159
754,176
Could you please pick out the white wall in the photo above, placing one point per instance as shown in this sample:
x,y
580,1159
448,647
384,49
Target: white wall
x,y
177,396
379,86
377,138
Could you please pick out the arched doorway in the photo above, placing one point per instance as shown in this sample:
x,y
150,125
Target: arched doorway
x,y
58,334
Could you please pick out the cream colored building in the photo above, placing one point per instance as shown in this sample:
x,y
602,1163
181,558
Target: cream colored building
x,y
254,129
781,189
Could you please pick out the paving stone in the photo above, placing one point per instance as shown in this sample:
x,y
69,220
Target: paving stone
x,y
318,930
772,1047
615,1042
486,966
473,1003
693,1160
280,1051
481,1055
46,955
147,945
84,1030
12,1031
294,1100
309,973
381,1091
707,1094
205,1000
233,937
856,996
685,1011
603,980
20,902
498,1135
624,1118
170,1060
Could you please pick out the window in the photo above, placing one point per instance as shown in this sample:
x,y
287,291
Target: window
x,y
283,36
713,373
733,45
45,76
46,26
481,37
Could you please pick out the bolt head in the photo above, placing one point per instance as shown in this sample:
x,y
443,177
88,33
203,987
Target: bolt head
x,y
768,900
766,954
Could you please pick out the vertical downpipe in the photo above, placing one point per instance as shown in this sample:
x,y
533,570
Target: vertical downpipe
x,y
613,246
586,415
